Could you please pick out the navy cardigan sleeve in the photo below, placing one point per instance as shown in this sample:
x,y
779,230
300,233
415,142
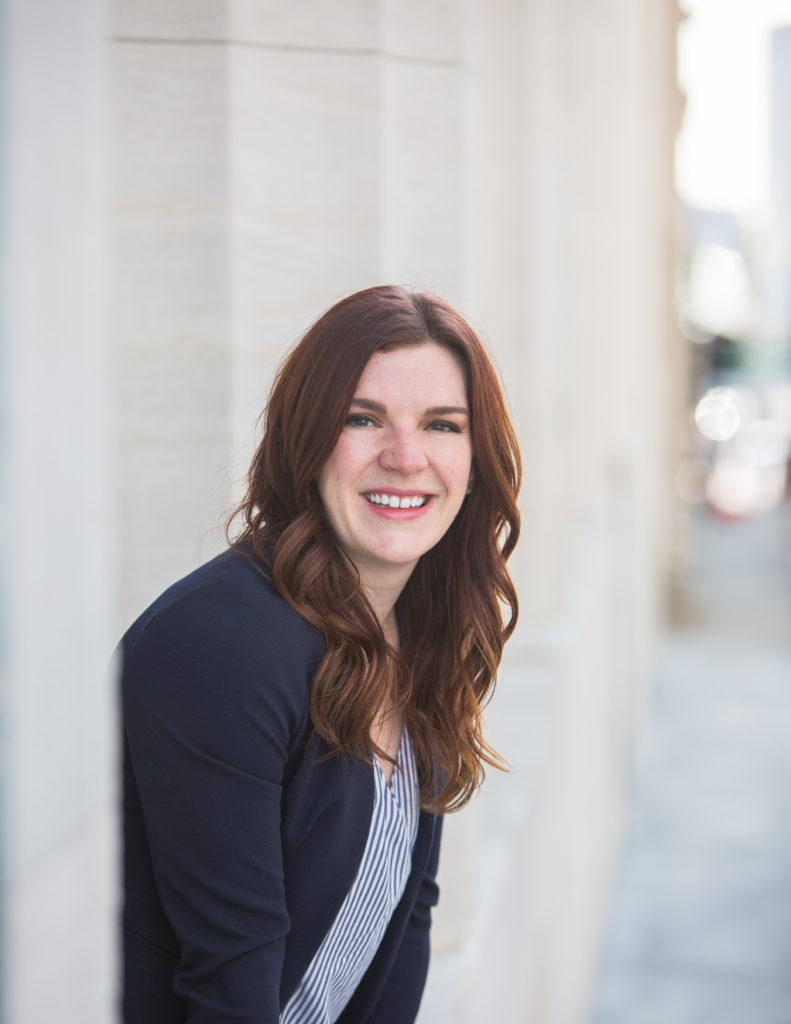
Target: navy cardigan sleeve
x,y
215,688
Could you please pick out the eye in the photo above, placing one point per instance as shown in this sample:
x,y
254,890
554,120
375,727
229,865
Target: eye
x,y
444,427
360,419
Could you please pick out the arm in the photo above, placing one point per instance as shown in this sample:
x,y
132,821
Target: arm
x,y
213,697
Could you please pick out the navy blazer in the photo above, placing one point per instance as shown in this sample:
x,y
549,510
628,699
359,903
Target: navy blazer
x,y
241,840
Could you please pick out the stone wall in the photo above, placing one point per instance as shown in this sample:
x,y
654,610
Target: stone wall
x,y
57,734
258,160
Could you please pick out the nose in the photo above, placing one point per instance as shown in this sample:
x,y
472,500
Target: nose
x,y
403,452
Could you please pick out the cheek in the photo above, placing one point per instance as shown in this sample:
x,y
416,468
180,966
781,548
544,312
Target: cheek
x,y
350,456
339,470
326,482
463,466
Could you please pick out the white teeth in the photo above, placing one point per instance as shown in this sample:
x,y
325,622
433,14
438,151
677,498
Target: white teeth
x,y
393,501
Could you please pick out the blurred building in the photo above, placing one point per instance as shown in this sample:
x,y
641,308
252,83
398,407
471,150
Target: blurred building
x,y
780,289
185,186
781,118
735,303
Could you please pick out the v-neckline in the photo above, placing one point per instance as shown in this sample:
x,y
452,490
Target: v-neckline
x,y
396,767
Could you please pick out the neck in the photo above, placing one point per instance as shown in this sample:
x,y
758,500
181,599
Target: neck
x,y
383,596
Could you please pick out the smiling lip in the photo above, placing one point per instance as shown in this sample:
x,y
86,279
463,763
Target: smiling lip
x,y
396,502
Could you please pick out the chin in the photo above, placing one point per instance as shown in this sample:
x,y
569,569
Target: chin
x,y
395,559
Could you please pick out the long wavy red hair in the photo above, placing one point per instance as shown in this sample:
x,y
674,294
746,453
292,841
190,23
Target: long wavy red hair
x,y
459,605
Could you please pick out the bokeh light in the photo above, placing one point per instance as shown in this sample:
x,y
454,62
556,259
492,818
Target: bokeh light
x,y
719,413
720,298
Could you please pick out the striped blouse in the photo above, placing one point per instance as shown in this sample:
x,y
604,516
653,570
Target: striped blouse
x,y
351,943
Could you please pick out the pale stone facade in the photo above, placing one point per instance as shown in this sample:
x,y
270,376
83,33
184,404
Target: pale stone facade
x,y
264,158
57,722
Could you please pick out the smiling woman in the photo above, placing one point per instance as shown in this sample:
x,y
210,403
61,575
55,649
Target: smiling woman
x,y
398,474
300,710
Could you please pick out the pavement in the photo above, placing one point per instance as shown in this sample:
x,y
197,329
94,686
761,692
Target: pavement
x,y
699,924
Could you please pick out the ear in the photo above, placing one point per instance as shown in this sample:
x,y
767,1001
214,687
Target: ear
x,y
470,480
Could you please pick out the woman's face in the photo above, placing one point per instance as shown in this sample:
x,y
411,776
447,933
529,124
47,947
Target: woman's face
x,y
401,467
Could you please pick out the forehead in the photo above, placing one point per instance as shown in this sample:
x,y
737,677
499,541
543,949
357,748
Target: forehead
x,y
416,370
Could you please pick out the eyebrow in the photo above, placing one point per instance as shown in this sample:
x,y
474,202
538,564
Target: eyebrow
x,y
437,410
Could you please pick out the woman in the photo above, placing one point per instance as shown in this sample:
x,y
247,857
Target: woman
x,y
299,711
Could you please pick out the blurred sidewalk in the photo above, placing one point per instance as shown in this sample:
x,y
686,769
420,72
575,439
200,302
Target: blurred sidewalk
x,y
699,927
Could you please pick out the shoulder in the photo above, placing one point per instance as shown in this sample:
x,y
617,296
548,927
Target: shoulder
x,y
222,633
231,596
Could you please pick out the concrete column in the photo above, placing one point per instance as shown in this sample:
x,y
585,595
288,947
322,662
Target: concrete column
x,y
171,316
59,859
424,146
600,93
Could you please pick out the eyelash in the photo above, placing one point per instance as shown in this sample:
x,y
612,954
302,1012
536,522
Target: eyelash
x,y
359,420
447,427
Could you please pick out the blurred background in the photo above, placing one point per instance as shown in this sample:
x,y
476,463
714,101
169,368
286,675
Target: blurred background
x,y
604,189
